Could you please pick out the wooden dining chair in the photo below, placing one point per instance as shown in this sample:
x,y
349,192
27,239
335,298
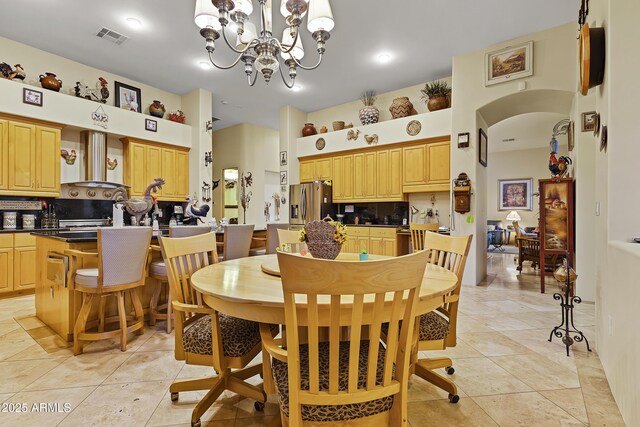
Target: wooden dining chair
x,y
291,238
354,382
237,241
418,232
273,236
158,271
204,336
121,264
437,329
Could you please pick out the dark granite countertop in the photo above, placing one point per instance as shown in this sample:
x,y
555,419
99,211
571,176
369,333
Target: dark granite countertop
x,y
374,225
76,236
32,230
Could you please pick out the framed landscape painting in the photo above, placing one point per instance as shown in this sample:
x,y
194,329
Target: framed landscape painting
x,y
510,63
515,194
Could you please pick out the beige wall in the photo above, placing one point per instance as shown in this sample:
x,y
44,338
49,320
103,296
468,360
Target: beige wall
x,y
517,164
618,261
349,112
249,148
555,53
36,62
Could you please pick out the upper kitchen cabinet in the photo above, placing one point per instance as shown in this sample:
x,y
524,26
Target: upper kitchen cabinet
x,y
426,167
316,170
145,161
29,159
389,176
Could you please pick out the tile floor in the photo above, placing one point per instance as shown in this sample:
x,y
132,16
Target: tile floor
x,y
507,372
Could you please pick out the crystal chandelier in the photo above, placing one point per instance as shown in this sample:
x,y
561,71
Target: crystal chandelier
x,y
259,51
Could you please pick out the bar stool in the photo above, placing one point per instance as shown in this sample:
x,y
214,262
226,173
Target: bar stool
x,y
158,271
122,259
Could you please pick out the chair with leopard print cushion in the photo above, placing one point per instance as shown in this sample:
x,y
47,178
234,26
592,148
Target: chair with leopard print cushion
x,y
437,329
202,335
355,381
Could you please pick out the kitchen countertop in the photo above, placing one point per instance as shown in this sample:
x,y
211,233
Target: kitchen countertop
x,y
374,225
32,230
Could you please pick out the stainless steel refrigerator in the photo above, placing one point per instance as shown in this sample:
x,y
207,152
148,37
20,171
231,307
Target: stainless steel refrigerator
x,y
310,202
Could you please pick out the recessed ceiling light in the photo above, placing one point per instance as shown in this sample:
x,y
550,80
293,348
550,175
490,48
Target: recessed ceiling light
x,y
296,88
134,23
383,58
205,65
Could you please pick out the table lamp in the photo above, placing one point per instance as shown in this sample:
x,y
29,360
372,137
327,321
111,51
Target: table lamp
x,y
513,216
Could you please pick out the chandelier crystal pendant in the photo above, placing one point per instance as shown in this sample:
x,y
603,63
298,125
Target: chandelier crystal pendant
x,y
261,51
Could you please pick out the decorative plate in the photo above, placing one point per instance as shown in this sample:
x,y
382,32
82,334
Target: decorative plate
x,y
414,127
320,143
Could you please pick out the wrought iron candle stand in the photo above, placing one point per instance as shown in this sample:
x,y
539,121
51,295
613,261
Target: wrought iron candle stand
x,y
566,276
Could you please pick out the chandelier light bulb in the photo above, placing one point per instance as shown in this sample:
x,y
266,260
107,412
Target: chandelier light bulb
x,y
320,16
287,41
249,34
284,11
207,15
244,6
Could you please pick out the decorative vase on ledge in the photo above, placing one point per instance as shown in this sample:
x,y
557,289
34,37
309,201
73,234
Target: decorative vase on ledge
x,y
369,115
156,109
401,107
49,81
309,129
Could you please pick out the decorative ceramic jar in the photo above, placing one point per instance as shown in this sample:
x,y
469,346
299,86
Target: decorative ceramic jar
x,y
28,221
309,129
338,125
49,81
401,107
10,220
369,115
156,109
438,103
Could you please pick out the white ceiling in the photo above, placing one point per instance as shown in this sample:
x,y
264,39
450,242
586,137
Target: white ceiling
x,y
422,36
532,130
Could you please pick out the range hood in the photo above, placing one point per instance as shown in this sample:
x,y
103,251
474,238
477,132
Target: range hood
x,y
95,161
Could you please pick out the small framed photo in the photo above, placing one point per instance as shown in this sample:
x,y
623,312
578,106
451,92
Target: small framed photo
x,y
283,178
515,194
589,121
463,140
150,125
283,158
482,148
128,97
31,97
510,63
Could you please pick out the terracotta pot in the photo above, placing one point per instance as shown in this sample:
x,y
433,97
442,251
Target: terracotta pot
x,y
438,103
324,129
339,125
369,115
156,109
49,81
309,129
401,107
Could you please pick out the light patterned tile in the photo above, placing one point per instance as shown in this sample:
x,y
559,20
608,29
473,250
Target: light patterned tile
x,y
525,409
19,374
570,400
481,376
466,413
158,341
493,343
421,390
170,413
538,372
147,366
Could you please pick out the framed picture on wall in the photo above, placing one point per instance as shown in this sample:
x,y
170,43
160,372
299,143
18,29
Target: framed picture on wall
x,y
32,97
515,194
283,178
483,148
588,121
128,97
151,125
510,63
283,158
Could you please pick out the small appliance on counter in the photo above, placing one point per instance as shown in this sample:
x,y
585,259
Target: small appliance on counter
x,y
10,220
310,202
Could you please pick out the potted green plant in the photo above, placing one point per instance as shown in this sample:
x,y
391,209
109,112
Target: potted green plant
x,y
369,114
436,95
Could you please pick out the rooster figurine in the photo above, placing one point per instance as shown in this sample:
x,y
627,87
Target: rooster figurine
x,y
559,165
70,158
112,164
195,212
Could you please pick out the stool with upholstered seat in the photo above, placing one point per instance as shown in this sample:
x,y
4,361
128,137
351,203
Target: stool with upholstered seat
x,y
158,271
122,260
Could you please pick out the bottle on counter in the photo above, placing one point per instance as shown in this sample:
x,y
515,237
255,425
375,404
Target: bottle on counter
x,y
156,227
172,221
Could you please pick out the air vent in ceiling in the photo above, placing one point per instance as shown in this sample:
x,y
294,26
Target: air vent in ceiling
x,y
508,140
112,36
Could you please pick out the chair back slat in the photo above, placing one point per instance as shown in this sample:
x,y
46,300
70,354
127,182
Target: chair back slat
x,y
351,294
418,232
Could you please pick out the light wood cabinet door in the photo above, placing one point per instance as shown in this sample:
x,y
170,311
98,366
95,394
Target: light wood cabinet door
x,y
324,169
6,270
415,165
370,170
376,246
358,176
153,157
347,177
137,166
47,159
307,171
361,243
395,174
182,174
22,156
438,155
169,172
24,274
4,154
382,177
338,182
389,247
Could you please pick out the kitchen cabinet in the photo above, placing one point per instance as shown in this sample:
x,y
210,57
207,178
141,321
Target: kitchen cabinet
x,y
375,240
145,161
364,175
426,167
29,159
316,170
17,262
389,175
342,178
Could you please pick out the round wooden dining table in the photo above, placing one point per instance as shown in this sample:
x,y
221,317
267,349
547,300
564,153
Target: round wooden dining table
x,y
242,288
